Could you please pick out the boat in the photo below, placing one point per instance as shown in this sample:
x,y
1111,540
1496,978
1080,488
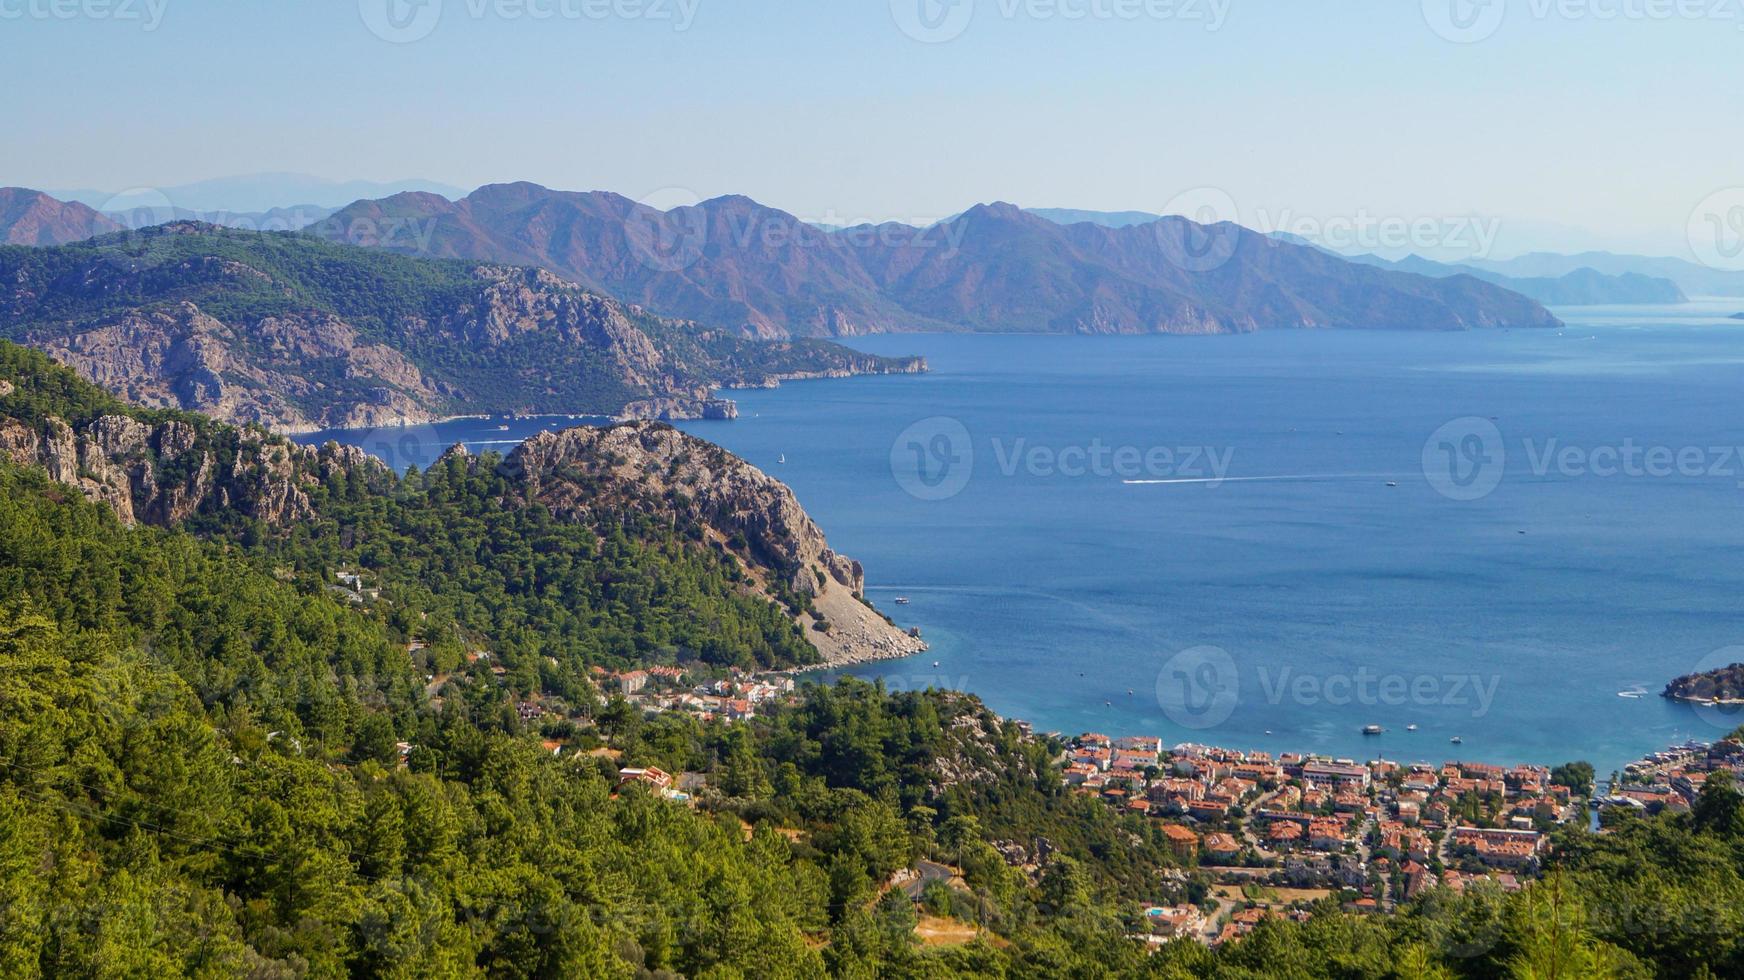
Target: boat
x,y
1457,740
1390,483
935,663
1411,728
902,600
1372,729
502,428
782,458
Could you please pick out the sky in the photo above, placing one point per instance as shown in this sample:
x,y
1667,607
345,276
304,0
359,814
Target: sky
x,y
1447,125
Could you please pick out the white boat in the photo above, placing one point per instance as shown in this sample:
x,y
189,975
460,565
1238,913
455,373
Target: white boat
x,y
782,458
1456,740
1372,729
1410,728
902,600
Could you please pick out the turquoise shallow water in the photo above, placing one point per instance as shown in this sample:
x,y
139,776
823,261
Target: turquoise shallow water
x,y
1300,597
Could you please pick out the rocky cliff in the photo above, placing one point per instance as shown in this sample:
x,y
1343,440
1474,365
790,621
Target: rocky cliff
x,y
650,468
165,473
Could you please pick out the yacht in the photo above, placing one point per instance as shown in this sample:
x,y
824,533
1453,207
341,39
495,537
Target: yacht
x,y
902,600
1411,728
1457,740
1372,729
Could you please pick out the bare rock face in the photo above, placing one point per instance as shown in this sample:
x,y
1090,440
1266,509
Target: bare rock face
x,y
183,358
164,474
697,406
655,469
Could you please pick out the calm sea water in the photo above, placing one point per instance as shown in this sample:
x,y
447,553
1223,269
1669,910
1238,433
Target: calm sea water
x,y
1195,537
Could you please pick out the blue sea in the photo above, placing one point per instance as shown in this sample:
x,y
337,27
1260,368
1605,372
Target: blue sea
x,y
1274,540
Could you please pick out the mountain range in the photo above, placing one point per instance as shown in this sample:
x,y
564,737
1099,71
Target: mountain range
x,y
736,263
1692,277
294,333
1580,286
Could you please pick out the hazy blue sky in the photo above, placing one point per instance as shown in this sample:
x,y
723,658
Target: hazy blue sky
x,y
1561,126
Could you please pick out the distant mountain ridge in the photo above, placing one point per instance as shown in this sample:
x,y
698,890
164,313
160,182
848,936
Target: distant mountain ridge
x,y
246,193
30,217
1583,286
733,262
1693,278
294,333
1577,287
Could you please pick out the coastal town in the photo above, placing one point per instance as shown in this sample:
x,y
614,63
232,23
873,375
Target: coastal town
x,y
1275,834
1271,835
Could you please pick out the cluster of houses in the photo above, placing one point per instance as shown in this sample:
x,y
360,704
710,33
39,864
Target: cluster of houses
x,y
1380,828
733,697
1672,779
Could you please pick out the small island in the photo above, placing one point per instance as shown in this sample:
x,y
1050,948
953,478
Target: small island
x,y
1724,685
1737,316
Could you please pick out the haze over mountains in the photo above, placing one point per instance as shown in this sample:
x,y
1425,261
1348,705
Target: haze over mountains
x,y
738,264
245,193
1573,283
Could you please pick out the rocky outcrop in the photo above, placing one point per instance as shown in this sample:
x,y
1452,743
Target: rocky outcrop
x,y
1722,686
584,473
181,357
168,472
679,409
